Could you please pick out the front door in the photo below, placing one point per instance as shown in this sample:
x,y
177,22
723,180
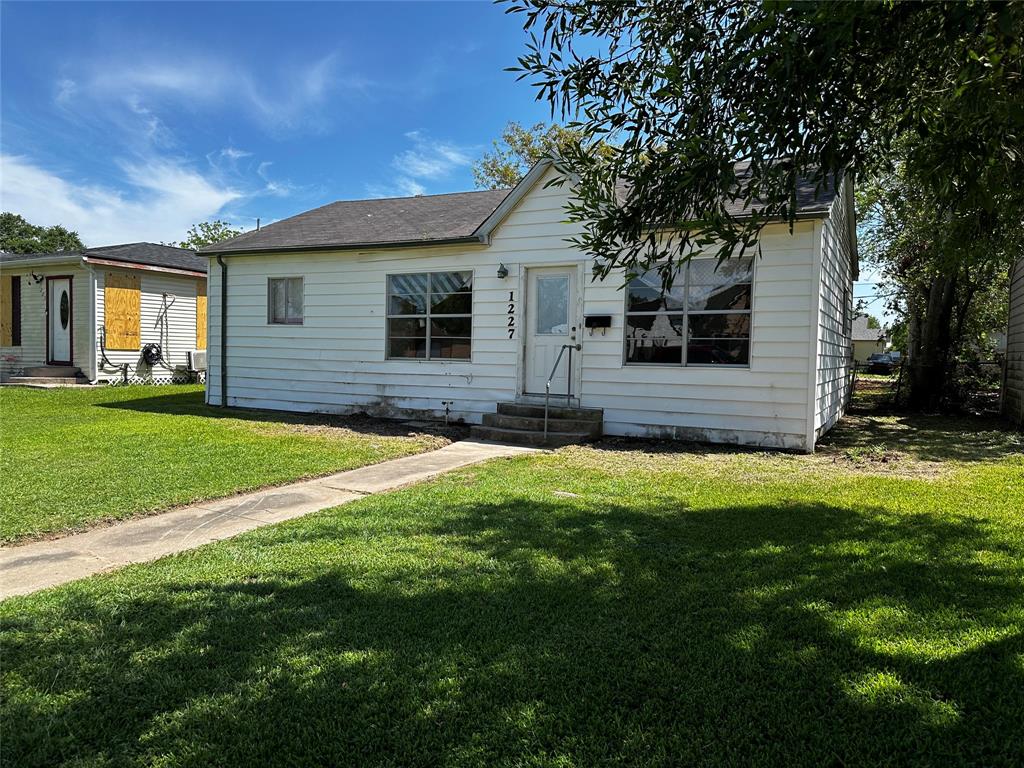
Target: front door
x,y
58,304
550,323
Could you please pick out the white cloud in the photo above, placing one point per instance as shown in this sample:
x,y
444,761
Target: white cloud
x,y
293,100
273,186
161,199
233,153
399,187
66,88
427,160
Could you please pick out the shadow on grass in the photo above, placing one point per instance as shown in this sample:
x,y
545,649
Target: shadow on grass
x,y
192,404
534,633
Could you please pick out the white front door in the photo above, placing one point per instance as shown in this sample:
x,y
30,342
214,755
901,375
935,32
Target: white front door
x,y
59,306
551,322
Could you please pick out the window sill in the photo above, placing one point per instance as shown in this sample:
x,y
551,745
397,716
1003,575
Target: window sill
x,y
698,366
462,360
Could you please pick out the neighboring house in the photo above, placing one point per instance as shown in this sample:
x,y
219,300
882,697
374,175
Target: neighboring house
x,y
90,313
866,341
463,302
1013,385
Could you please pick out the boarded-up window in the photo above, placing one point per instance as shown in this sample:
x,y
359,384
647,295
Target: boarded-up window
x,y
201,315
122,310
10,311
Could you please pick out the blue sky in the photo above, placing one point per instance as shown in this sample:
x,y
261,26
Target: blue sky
x,y
131,121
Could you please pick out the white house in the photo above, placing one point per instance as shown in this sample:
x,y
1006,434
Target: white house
x,y
1013,385
95,314
463,302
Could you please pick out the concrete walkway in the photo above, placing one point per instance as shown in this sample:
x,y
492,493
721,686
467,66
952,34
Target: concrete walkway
x,y
30,567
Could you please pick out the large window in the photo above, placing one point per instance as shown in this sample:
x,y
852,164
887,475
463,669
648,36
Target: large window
x,y
284,301
703,319
430,315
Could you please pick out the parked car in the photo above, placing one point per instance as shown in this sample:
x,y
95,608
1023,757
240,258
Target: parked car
x,y
881,362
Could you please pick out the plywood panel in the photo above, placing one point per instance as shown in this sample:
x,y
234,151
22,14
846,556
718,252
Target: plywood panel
x,y
201,315
6,312
122,300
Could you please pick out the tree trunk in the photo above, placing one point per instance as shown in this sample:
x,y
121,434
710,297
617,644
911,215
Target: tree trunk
x,y
929,366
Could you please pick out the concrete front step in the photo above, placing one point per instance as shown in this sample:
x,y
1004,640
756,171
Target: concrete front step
x,y
532,411
53,371
523,423
589,427
523,437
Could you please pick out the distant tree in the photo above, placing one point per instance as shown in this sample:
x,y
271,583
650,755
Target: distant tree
x,y
208,233
947,287
19,236
873,322
519,149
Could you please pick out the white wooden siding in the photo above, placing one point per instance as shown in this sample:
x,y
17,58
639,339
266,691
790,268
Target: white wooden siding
x,y
32,351
1013,391
833,379
335,361
180,334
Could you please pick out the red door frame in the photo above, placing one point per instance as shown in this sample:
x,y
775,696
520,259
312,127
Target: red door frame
x,y
71,319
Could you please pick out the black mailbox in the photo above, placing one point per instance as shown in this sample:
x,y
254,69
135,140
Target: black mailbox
x,y
597,321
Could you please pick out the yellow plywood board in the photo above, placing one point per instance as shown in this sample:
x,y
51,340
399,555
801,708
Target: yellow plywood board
x,y
6,312
201,315
122,310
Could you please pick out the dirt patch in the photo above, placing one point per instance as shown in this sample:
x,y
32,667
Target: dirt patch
x,y
878,460
620,456
362,427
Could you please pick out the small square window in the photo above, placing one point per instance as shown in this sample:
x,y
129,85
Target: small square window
x,y
285,301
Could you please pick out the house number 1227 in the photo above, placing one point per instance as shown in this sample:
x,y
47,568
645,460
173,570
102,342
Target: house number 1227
x,y
511,315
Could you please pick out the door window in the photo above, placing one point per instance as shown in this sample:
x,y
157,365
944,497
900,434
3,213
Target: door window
x,y
553,305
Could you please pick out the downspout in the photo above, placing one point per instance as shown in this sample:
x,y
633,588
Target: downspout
x,y
223,330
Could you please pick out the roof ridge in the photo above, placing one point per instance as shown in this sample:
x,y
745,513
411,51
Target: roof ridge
x,y
505,190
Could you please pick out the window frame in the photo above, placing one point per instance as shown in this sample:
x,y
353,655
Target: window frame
x,y
427,316
270,300
685,312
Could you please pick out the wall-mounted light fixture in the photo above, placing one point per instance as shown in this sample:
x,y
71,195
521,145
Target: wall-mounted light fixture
x,y
37,279
502,271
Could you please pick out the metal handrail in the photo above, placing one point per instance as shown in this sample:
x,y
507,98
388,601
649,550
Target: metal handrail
x,y
568,382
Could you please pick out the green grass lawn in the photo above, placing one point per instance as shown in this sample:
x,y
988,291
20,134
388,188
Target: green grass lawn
x,y
72,457
624,604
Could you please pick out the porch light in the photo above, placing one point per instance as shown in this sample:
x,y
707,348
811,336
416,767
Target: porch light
x,y
502,271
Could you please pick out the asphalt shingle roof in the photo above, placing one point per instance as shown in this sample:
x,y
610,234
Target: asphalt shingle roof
x,y
151,254
808,199
860,331
348,223
423,219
